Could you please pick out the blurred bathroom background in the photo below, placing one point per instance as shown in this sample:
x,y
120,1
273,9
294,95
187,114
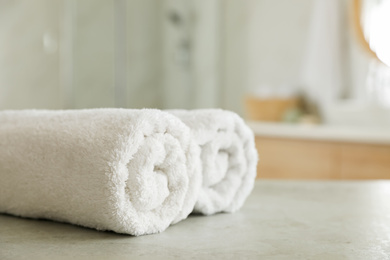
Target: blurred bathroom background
x,y
322,63
61,54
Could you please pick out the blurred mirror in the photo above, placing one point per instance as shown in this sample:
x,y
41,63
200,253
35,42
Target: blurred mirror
x,y
372,21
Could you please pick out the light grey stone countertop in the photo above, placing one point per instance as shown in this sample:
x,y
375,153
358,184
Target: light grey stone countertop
x,y
280,220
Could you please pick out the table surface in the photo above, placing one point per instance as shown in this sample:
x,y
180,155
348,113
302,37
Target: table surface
x,y
280,220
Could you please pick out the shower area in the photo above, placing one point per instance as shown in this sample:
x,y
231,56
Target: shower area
x,y
66,54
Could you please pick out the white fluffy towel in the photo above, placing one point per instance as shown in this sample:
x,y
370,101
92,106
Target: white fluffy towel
x,y
228,155
129,171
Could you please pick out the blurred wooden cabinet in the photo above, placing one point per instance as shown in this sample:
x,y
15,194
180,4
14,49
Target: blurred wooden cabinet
x,y
285,158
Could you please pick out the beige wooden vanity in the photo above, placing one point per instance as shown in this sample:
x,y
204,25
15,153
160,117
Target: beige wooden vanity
x,y
321,152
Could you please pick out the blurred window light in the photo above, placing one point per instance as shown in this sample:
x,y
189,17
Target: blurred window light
x,y
377,24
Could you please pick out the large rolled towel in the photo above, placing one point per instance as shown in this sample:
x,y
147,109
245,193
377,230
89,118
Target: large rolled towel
x,y
228,156
129,171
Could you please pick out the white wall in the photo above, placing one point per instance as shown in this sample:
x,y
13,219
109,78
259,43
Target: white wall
x,y
264,41
264,44
276,41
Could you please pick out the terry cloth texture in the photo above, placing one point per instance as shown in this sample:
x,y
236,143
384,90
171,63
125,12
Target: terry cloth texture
x,y
129,171
228,156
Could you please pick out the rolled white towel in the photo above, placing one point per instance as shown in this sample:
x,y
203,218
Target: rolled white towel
x,y
228,156
129,171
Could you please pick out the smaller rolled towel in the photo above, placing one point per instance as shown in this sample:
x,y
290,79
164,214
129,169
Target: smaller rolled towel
x,y
129,171
228,156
